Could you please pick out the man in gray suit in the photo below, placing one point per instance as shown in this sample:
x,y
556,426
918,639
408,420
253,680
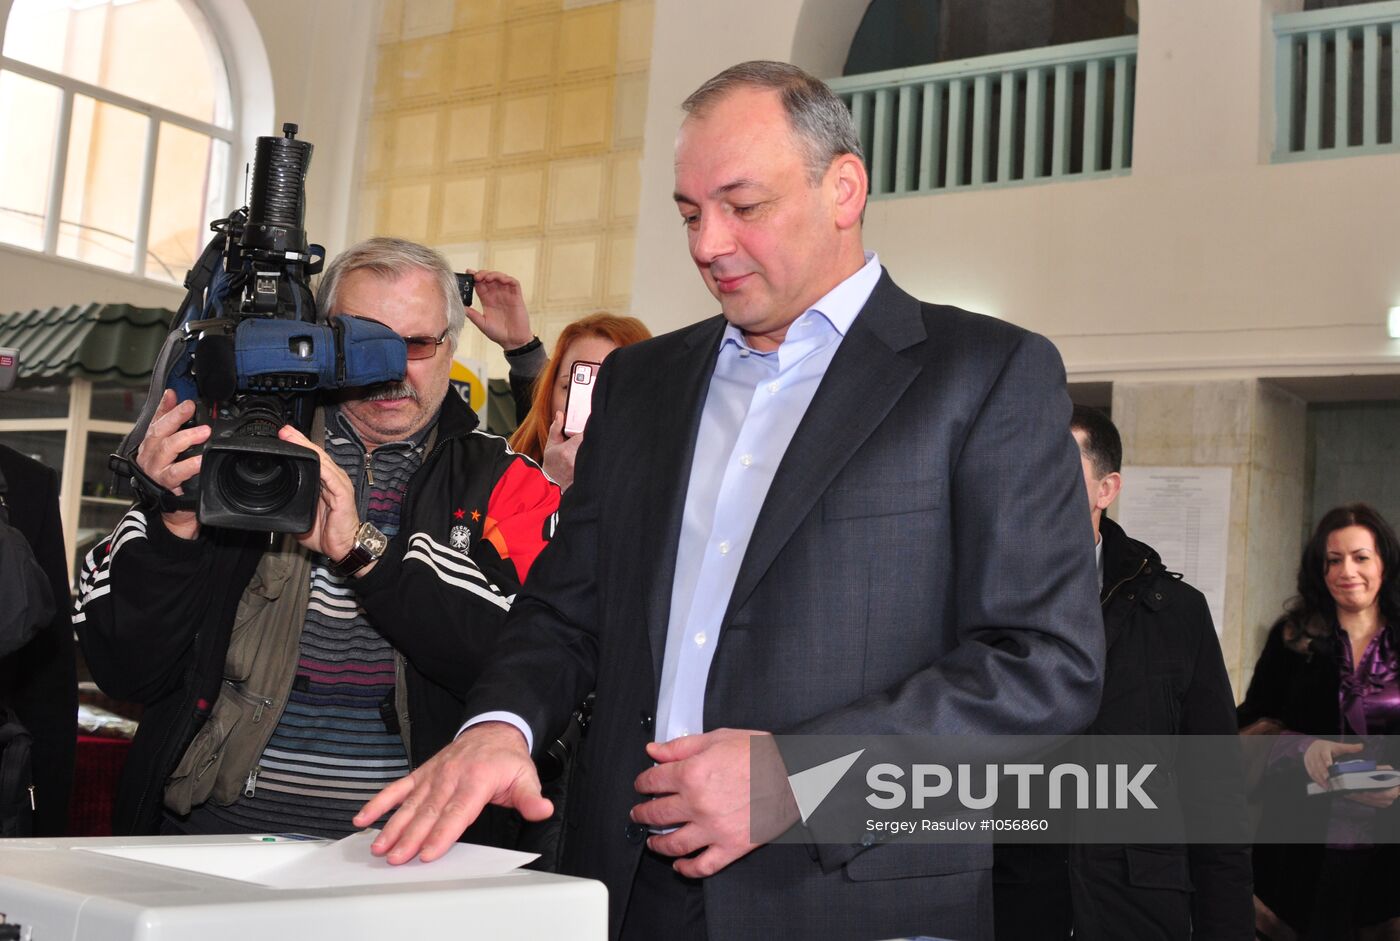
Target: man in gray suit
x,y
832,510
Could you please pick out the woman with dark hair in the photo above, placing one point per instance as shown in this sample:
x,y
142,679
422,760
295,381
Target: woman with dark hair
x,y
1331,671
541,436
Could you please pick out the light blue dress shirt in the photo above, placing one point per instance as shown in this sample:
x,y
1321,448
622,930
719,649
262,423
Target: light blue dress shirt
x,y
754,404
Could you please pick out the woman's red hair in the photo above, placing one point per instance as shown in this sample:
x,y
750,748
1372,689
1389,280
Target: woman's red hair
x,y
529,439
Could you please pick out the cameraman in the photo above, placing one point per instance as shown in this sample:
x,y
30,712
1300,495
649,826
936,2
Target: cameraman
x,y
288,678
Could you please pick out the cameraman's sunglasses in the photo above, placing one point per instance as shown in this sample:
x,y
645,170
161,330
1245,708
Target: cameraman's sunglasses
x,y
419,347
424,347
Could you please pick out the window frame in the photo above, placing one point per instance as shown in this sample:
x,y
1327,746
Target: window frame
x,y
155,115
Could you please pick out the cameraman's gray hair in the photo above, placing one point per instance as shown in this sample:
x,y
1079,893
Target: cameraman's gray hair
x,y
394,258
819,119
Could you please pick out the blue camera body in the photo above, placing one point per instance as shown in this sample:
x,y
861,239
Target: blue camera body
x,y
291,356
251,477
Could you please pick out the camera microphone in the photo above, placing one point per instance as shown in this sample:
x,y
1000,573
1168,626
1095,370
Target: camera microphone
x,y
277,209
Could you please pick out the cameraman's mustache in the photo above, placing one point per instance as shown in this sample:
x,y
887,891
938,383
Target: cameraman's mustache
x,y
392,390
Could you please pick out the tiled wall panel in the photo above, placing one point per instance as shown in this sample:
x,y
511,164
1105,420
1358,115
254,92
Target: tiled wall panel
x,y
508,134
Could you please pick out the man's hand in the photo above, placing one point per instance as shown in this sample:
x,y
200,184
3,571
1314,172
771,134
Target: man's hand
x,y
503,317
703,787
337,517
487,764
560,453
159,455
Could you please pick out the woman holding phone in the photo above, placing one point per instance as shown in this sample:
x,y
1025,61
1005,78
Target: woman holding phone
x,y
541,435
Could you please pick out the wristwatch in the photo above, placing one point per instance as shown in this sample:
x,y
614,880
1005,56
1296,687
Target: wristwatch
x,y
369,545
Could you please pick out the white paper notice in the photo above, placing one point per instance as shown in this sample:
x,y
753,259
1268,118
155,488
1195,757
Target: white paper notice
x,y
321,864
1183,513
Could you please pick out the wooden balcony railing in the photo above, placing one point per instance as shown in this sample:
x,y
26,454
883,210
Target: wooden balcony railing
x,y
1042,115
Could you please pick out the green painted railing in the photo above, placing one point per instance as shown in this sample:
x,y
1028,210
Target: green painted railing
x,y
1337,81
1057,113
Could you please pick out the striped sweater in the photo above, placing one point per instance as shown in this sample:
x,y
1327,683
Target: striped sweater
x,y
337,742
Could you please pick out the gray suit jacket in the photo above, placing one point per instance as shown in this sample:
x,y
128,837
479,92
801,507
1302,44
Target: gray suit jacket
x,y
923,564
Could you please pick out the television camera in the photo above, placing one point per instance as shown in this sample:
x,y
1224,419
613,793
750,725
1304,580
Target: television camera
x,y
247,346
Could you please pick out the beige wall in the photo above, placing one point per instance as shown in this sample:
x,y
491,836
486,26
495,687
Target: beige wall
x,y
508,133
1256,430
30,280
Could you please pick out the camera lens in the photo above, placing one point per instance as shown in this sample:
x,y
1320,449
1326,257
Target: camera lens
x,y
258,484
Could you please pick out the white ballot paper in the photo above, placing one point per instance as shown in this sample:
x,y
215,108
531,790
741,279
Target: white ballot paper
x,y
320,864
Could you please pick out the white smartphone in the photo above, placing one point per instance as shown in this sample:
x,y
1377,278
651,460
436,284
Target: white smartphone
x,y
582,377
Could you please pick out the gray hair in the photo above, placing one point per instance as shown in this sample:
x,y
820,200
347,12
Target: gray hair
x,y
820,120
393,258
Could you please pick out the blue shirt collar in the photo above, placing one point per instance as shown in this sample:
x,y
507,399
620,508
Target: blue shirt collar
x,y
838,307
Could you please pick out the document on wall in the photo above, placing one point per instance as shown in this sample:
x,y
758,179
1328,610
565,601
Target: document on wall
x,y
1183,513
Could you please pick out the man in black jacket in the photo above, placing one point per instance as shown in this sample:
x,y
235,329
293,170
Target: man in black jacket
x,y
1164,675
286,680
38,680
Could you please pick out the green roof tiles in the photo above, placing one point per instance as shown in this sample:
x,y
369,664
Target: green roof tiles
x,y
101,342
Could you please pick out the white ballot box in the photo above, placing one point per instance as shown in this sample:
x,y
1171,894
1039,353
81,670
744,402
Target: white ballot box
x,y
274,888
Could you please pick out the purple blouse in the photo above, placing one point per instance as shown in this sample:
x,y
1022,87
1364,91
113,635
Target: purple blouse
x,y
1369,698
1369,693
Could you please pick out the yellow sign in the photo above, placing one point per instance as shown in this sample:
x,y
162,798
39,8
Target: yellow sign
x,y
469,379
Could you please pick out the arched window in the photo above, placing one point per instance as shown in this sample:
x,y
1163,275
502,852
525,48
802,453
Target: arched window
x,y
120,127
